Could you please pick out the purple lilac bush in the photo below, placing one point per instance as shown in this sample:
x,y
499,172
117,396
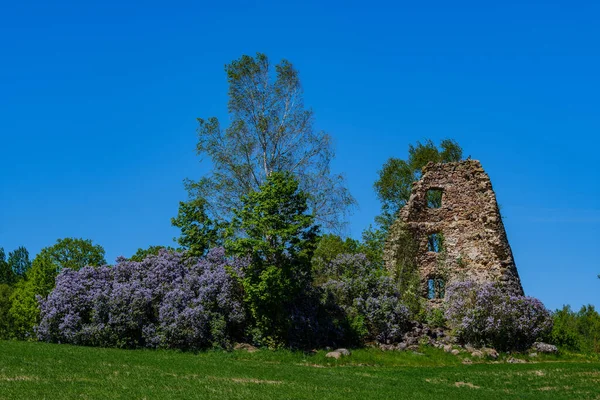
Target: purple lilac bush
x,y
165,301
368,298
485,315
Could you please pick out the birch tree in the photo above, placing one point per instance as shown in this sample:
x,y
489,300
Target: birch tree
x,y
270,130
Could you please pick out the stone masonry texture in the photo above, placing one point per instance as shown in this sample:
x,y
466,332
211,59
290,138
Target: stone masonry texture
x,y
475,246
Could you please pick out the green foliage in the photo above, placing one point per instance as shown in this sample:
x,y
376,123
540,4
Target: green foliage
x,y
395,180
434,317
141,254
405,271
42,274
373,241
270,131
434,198
357,327
198,231
7,276
40,279
5,321
329,247
280,237
24,311
74,254
18,261
577,331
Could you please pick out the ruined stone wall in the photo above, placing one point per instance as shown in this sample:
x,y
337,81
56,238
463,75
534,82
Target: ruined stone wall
x,y
475,245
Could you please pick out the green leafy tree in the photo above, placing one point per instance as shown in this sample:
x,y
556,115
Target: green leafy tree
x,y
74,254
40,279
565,331
270,131
280,237
329,247
395,180
578,331
371,245
141,254
5,321
7,276
24,310
18,261
198,231
589,327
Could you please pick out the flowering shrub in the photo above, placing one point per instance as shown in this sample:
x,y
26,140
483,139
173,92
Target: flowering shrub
x,y
486,315
163,301
368,298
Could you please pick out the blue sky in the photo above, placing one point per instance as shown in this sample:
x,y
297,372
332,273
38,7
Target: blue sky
x,y
98,102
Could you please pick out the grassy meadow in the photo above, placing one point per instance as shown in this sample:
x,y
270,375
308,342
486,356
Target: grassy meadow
x,y
48,371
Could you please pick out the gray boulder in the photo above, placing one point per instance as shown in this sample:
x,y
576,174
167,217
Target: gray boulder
x,y
344,352
546,348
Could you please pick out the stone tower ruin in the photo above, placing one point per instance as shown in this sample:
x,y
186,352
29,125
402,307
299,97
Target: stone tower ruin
x,y
458,233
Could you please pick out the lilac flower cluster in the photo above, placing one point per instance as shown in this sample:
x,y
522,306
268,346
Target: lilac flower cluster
x,y
166,301
486,315
368,298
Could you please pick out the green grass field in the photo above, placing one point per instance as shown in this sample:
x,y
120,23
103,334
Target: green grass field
x,y
45,371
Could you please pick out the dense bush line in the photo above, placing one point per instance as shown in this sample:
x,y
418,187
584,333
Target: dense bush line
x,y
577,331
170,301
173,300
276,282
163,301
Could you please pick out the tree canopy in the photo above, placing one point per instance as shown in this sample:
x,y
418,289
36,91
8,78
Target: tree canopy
x,y
18,261
270,131
6,272
280,237
74,254
395,180
141,254
198,231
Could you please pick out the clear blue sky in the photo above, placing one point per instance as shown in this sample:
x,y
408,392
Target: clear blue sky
x,y
98,101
